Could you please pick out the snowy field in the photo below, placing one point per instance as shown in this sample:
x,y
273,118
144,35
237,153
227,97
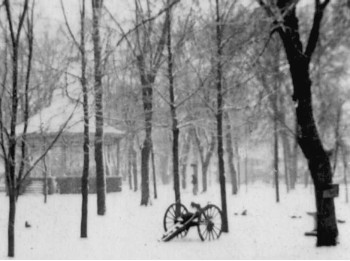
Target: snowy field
x,y
129,231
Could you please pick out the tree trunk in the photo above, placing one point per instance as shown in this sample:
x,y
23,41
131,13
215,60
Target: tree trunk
x,y
10,160
308,138
175,129
238,157
219,120
230,155
134,166
275,160
11,224
286,158
275,139
129,168
205,159
184,159
147,97
294,168
345,166
45,180
154,175
86,144
100,175
145,152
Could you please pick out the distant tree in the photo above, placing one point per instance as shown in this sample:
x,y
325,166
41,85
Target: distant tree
x,y
285,22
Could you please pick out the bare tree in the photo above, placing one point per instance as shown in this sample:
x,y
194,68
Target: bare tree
x,y
175,128
86,145
86,140
219,116
10,153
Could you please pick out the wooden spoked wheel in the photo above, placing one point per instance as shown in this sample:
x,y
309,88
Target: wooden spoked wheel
x,y
210,223
171,217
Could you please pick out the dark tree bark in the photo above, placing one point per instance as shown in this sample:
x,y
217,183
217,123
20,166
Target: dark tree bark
x,y
308,138
175,129
219,120
100,174
147,99
86,144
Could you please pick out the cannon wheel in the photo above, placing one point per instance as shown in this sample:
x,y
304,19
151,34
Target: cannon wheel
x,y
170,218
210,223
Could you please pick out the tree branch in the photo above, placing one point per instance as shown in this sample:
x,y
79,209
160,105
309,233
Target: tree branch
x,y
315,30
68,27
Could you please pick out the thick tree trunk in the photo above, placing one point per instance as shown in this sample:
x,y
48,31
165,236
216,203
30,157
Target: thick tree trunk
x,y
145,153
318,160
175,129
308,138
100,174
147,99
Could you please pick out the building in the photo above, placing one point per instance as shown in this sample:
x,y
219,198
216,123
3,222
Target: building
x,y
61,168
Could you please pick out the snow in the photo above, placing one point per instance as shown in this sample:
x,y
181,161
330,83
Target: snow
x,y
129,231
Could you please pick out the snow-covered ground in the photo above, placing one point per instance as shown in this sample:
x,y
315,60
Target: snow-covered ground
x,y
129,231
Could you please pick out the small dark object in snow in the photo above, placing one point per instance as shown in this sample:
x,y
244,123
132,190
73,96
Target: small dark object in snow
x,y
244,213
341,221
27,225
312,233
236,214
295,216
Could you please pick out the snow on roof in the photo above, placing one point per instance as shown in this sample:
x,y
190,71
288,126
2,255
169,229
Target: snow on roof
x,y
62,109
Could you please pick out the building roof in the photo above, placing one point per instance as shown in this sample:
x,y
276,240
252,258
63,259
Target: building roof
x,y
65,113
